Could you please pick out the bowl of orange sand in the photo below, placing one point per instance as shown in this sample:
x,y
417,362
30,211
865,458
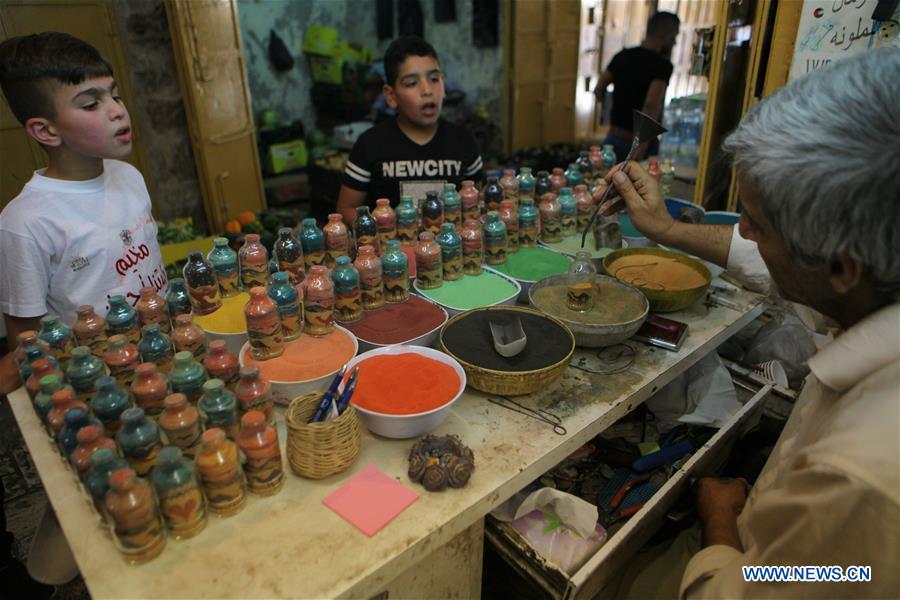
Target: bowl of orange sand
x,y
670,280
308,363
405,391
227,322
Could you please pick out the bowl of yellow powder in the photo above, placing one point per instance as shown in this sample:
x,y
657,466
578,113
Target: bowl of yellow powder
x,y
227,322
671,281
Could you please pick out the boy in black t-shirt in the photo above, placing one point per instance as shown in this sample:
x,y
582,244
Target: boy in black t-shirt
x,y
640,76
417,151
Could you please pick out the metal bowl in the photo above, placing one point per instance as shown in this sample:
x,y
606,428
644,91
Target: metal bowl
x,y
596,335
662,301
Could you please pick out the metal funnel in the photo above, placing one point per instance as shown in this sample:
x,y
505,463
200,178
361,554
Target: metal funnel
x,y
646,129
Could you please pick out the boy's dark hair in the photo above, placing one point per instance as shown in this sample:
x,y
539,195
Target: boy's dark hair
x,y
662,23
30,64
399,50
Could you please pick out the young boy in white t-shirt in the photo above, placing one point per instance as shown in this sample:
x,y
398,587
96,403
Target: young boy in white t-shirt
x,y
81,230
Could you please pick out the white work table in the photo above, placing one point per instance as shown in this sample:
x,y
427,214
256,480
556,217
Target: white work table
x,y
292,545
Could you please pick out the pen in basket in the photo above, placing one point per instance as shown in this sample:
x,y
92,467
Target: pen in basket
x,y
325,402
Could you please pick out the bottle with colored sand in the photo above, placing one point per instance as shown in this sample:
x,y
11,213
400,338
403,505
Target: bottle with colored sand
x,y
136,524
177,299
74,421
385,221
337,239
371,284
585,168
584,206
289,255
58,337
222,364
347,294
109,403
225,265
151,308
318,301
254,262
432,213
202,285
187,376
254,393
287,302
180,422
395,269
33,354
495,239
472,247
156,347
558,179
139,440
452,206
189,337
510,186
83,372
89,330
551,219
407,221
43,402
218,408
149,389
573,175
63,401
122,358
220,474
581,292
542,186
259,442
528,221
429,268
90,438
510,217
103,463
468,196
180,500
609,157
526,184
365,229
492,193
568,208
40,369
451,252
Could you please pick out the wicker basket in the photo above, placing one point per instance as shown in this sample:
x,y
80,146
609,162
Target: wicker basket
x,y
317,450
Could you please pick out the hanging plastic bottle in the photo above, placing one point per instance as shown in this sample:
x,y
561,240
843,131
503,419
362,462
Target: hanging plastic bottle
x,y
202,285
287,301
451,252
289,255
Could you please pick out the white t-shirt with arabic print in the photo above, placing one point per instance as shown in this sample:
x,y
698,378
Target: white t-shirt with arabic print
x,y
68,243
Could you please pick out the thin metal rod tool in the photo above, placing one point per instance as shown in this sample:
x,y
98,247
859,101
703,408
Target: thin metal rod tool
x,y
540,414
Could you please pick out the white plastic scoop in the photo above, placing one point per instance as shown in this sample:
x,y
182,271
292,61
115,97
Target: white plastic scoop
x,y
509,337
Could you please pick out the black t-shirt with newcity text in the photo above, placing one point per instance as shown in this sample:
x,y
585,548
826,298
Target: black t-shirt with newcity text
x,y
633,69
385,163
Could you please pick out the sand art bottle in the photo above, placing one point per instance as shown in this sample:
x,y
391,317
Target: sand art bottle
x,y
63,401
581,291
287,304
89,330
468,195
493,194
151,308
395,269
371,284
609,157
429,268
43,367
177,299
150,388
407,221
312,240
222,364
568,208
495,239
220,474
58,337
136,523
254,393
585,168
318,302
202,285
33,354
181,502
90,439
551,219
472,247
218,408
365,230
510,217
263,326
254,262
526,184
156,347
452,206
189,337
103,463
584,206
289,255
510,186
121,358
74,421
528,221
432,213
139,440
109,403
180,422
542,187
337,239
43,402
187,376
224,262
347,294
557,179
451,252
385,221
259,442
24,341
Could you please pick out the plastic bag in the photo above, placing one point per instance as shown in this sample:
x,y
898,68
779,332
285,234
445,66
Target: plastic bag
x,y
786,339
553,540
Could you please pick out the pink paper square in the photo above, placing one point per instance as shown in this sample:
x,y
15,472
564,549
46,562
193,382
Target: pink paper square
x,y
370,500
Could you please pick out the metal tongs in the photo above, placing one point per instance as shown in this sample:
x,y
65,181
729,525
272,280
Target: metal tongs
x,y
646,129
540,414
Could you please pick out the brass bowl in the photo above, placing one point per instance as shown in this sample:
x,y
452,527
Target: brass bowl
x,y
510,383
662,301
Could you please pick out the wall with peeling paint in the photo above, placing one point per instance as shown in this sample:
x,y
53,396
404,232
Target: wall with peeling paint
x,y
477,71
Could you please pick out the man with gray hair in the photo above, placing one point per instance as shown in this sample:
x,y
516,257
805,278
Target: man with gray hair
x,y
818,167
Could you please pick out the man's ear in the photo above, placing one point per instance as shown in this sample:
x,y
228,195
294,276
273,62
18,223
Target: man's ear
x,y
845,273
389,96
43,131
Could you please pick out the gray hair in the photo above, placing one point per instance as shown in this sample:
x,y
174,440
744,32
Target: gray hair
x,y
824,154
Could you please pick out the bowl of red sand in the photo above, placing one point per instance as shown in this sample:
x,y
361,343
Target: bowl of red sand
x,y
415,322
308,363
405,391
